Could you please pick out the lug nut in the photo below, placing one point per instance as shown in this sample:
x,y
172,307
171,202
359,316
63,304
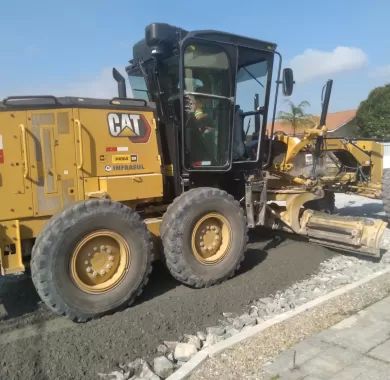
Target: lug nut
x,y
111,258
89,270
95,249
108,250
86,262
94,274
102,272
102,248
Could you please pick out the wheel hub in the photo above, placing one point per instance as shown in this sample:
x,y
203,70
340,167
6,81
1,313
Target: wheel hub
x,y
100,261
211,238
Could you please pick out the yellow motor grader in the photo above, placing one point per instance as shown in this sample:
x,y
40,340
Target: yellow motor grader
x,y
85,184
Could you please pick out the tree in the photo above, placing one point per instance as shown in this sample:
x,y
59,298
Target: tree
x,y
373,114
296,117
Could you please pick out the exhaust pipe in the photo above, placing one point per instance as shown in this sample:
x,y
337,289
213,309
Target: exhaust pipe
x,y
121,83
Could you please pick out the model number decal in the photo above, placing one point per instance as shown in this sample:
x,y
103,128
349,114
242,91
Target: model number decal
x,y
121,158
133,126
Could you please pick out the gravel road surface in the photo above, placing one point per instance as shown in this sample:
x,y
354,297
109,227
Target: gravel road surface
x,y
35,344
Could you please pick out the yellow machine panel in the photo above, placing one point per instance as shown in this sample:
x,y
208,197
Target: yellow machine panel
x,y
53,157
117,143
15,186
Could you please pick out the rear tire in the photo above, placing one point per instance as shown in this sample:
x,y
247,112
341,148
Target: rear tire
x,y
204,235
386,192
91,259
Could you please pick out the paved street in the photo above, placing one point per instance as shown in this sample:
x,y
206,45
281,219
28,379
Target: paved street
x,y
357,348
36,344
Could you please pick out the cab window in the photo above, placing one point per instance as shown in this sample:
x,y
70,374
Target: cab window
x,y
138,86
251,89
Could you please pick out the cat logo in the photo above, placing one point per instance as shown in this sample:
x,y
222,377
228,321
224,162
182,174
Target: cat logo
x,y
133,126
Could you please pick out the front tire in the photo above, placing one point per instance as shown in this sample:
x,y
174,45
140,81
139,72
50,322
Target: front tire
x,y
91,259
204,235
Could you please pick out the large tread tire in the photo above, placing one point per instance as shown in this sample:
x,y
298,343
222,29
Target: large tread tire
x,y
51,255
176,232
326,204
386,192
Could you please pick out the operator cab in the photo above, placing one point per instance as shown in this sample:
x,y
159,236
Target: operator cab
x,y
212,90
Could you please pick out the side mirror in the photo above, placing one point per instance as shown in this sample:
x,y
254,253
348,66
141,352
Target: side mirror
x,y
288,81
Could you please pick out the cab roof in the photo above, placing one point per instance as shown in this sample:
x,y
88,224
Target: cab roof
x,y
166,38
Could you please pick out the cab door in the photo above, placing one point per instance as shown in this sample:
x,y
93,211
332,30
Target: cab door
x,y
207,84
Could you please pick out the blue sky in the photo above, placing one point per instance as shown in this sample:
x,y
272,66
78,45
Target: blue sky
x,y
69,47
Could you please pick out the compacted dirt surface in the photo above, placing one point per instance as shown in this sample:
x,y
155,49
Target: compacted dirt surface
x,y
35,344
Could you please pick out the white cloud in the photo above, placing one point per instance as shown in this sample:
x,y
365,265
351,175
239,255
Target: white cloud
x,y
100,86
313,63
382,72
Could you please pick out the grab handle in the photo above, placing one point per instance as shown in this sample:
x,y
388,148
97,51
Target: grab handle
x,y
24,147
80,142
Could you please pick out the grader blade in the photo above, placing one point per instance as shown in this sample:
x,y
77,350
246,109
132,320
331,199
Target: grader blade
x,y
347,233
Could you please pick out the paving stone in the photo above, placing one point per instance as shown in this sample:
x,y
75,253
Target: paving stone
x,y
162,366
193,339
381,352
357,332
364,369
215,330
379,311
329,362
305,350
184,351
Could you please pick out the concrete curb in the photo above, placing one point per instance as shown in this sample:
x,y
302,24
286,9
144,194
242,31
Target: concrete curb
x,y
186,369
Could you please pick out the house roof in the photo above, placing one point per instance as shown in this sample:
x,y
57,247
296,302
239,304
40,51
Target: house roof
x,y
334,121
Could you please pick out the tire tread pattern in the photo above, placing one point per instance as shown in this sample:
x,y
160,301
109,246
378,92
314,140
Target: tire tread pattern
x,y
40,272
172,222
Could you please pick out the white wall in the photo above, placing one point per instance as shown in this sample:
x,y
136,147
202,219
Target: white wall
x,y
386,155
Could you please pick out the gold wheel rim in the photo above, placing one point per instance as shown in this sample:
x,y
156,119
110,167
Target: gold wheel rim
x,y
100,261
211,238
